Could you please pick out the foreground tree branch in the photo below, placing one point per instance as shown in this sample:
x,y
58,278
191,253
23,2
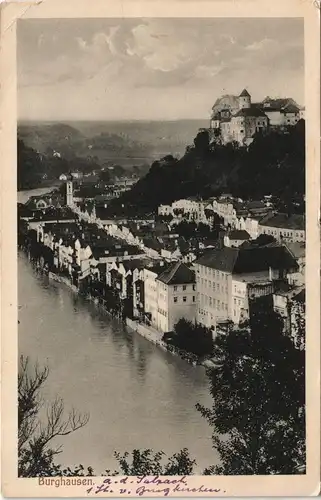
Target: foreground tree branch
x,y
35,438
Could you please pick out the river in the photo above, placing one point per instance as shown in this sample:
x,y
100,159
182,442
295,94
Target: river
x,y
138,396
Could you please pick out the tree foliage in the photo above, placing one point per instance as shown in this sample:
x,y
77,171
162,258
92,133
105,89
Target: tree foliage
x,y
258,390
192,338
274,164
146,462
35,438
33,167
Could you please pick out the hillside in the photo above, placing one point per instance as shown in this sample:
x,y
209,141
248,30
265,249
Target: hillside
x,y
128,144
34,168
274,164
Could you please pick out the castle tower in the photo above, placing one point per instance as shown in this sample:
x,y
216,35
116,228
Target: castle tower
x,y
69,192
244,99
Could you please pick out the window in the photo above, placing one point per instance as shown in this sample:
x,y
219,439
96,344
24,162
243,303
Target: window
x,y
210,301
184,299
184,288
218,304
193,298
214,285
194,288
175,288
175,299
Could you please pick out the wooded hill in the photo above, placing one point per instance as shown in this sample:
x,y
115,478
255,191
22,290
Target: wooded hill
x,y
274,164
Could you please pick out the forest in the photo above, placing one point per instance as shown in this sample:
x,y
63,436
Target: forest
x,y
273,164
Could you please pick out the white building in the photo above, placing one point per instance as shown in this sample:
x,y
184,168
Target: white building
x,y
224,276
248,224
281,111
284,228
165,210
289,302
236,237
170,294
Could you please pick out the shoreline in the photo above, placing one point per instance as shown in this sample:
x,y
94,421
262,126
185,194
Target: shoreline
x,y
145,331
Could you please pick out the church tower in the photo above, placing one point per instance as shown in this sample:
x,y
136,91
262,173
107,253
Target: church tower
x,y
244,99
69,192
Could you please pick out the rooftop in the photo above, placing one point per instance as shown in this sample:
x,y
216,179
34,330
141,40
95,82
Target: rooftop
x,y
297,249
278,104
252,111
284,221
244,93
177,274
248,260
238,234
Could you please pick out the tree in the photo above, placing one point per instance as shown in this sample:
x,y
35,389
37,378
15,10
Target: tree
x,y
104,175
146,462
271,162
264,239
36,454
35,449
192,338
258,391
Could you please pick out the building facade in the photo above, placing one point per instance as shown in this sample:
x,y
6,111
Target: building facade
x,y
224,277
284,228
236,118
170,294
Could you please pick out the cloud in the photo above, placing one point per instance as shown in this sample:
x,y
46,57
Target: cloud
x,y
101,42
203,71
161,47
261,44
179,60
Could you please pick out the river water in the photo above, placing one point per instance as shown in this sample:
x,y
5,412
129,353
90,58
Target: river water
x,y
138,396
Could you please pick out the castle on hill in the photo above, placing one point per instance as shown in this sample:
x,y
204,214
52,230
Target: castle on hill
x,y
237,118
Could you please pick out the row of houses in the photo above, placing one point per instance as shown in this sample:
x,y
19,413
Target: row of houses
x,y
254,217
215,285
216,289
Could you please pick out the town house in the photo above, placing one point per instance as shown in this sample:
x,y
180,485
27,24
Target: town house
x,y
224,274
283,227
170,294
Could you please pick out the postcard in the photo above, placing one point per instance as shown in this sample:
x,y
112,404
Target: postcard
x,y
160,211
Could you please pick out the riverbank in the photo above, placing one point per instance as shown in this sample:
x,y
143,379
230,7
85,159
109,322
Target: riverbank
x,y
148,332
24,195
129,387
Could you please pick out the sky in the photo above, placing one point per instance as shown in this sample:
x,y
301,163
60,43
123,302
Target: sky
x,y
153,69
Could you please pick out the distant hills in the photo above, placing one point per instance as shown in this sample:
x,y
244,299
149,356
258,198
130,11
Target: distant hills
x,y
274,164
127,143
